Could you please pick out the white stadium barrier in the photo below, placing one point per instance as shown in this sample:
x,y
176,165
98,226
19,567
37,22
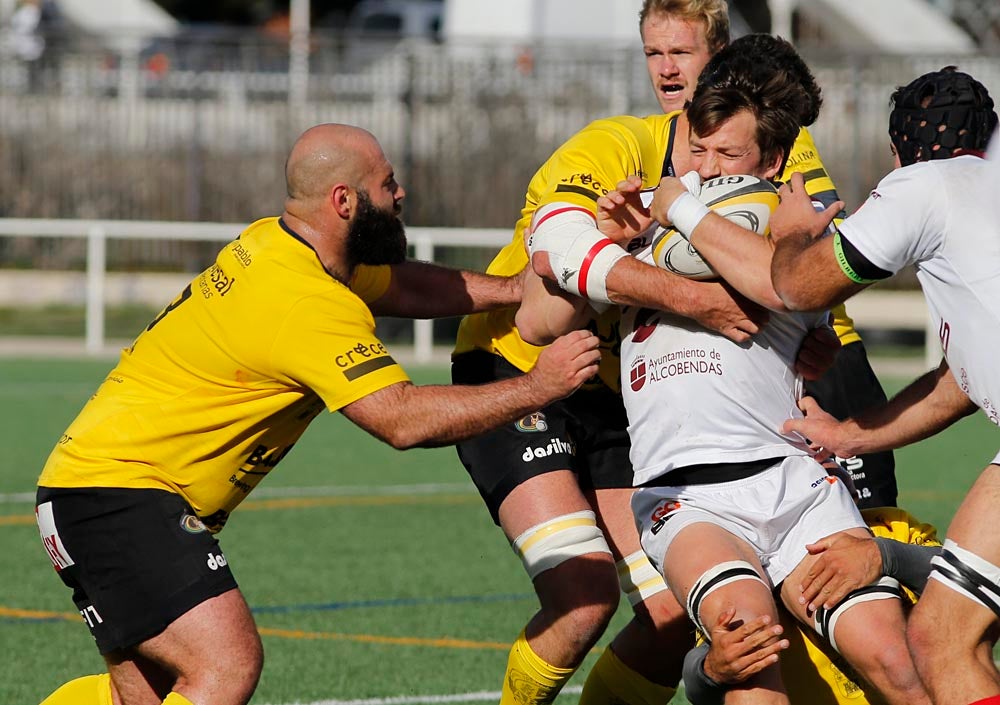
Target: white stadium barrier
x,y
872,309
98,232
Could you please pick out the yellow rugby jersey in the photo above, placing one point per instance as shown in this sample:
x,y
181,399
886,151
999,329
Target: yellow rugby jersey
x,y
811,670
583,169
221,384
804,158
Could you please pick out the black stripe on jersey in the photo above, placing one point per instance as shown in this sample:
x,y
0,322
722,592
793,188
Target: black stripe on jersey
x,y
363,368
668,165
815,174
860,264
578,189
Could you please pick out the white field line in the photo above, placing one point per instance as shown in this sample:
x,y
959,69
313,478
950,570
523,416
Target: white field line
x,y
320,491
416,699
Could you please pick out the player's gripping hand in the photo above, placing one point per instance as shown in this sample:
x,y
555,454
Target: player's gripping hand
x,y
740,651
817,353
796,216
620,213
721,308
825,433
566,364
670,189
843,563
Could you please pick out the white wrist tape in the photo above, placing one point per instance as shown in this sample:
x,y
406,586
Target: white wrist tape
x,y
580,256
692,182
686,212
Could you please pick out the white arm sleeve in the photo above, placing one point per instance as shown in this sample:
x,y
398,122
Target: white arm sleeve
x,y
903,220
579,254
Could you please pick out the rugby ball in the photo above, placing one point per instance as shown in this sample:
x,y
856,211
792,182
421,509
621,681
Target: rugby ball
x,y
745,200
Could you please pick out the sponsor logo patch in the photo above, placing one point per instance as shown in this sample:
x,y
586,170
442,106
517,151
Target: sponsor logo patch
x,y
216,561
663,512
192,524
363,359
532,423
637,375
50,537
556,446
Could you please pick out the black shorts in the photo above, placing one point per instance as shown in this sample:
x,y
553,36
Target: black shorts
x,y
136,559
847,388
587,433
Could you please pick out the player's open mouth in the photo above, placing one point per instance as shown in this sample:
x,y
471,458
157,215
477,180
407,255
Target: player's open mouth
x,y
671,89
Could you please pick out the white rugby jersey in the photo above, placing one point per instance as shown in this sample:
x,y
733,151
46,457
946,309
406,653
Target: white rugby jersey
x,y
941,217
694,396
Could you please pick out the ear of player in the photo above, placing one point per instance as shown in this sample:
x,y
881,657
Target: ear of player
x,y
745,200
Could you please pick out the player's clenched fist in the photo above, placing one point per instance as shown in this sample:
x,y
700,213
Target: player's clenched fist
x,y
567,363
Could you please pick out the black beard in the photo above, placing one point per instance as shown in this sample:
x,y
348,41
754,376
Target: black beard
x,y
375,236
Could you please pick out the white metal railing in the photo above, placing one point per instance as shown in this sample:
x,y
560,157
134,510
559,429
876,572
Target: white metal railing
x,y
872,308
98,232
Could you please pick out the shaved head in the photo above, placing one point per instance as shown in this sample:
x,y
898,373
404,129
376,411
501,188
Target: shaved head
x,y
325,155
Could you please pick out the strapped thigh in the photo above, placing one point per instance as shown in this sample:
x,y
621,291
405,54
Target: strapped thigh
x,y
550,543
968,574
638,578
825,620
714,578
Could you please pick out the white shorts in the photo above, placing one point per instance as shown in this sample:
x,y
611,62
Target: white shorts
x,y
777,511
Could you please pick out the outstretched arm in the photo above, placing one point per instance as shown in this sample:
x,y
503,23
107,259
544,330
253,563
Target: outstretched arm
x,y
928,405
546,311
426,290
405,415
846,563
805,270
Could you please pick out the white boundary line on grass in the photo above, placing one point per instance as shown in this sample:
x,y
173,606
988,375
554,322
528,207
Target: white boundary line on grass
x,y
319,491
415,699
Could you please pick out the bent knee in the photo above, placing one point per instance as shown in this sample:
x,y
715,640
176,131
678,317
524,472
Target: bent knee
x,y
926,638
593,616
891,663
232,676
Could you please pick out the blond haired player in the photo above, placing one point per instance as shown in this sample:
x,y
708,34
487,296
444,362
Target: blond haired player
x,y
576,492
679,36
722,151
216,391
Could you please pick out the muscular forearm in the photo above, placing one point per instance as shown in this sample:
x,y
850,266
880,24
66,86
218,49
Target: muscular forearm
x,y
437,415
790,274
546,311
908,563
928,405
740,256
634,283
805,274
426,290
